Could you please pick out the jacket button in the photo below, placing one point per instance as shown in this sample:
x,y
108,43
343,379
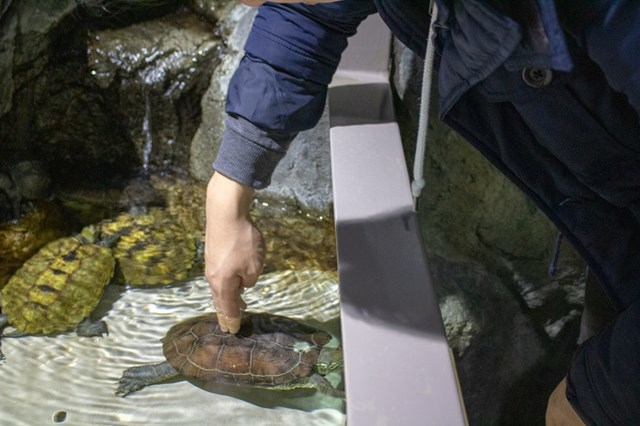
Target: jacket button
x,y
537,77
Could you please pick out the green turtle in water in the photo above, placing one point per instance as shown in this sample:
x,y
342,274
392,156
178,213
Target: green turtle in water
x,y
269,351
152,248
58,287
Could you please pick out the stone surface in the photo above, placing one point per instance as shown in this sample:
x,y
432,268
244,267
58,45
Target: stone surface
x,y
304,175
159,70
9,24
51,112
29,22
214,11
494,341
206,141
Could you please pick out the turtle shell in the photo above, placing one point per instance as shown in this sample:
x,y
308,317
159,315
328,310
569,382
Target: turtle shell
x,y
268,350
42,224
58,287
152,248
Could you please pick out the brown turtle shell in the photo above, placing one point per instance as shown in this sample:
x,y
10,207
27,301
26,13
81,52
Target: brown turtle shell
x,y
268,350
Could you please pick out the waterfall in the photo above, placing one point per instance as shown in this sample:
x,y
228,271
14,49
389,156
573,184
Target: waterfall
x,y
146,130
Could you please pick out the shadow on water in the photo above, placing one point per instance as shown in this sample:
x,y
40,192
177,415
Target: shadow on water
x,y
298,399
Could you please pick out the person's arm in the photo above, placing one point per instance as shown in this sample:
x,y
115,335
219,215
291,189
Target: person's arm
x,y
278,90
234,249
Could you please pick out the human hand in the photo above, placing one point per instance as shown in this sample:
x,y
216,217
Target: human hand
x,y
559,410
234,248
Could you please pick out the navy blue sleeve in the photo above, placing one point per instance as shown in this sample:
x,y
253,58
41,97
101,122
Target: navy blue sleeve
x,y
603,384
280,86
291,55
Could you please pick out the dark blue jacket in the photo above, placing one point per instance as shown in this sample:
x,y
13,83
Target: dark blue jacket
x,y
549,92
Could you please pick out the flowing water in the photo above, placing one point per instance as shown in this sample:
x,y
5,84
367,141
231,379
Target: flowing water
x,y
71,380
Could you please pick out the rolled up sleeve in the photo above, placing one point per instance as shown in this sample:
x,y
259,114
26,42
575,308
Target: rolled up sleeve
x,y
280,86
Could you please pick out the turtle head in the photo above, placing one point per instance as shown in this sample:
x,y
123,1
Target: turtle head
x,y
330,359
93,234
89,234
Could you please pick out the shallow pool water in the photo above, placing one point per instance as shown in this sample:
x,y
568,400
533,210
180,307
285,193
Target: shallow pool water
x,y
71,380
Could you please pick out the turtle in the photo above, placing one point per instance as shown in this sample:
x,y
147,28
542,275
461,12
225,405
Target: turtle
x,y
58,287
269,351
22,238
152,249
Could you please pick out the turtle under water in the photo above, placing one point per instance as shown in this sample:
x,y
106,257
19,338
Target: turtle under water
x,y
58,287
152,249
269,351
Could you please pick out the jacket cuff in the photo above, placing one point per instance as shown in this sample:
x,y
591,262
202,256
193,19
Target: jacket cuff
x,y
249,154
602,383
580,392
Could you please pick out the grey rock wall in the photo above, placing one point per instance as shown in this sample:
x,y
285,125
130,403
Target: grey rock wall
x,y
158,71
50,110
206,141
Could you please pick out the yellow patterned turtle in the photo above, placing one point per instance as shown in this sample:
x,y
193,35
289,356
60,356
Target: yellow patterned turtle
x,y
57,288
269,351
152,248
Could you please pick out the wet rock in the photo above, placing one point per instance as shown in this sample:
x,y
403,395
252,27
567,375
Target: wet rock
x,y
8,23
494,342
139,194
7,210
158,71
30,22
51,112
206,141
10,197
212,10
304,175
32,180
122,13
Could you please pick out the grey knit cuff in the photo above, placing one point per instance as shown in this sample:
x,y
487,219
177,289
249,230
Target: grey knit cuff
x,y
249,154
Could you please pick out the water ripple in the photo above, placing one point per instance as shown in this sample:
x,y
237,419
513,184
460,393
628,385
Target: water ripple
x,y
70,379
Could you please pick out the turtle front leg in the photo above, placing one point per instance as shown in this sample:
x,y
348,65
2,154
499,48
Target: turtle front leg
x,y
89,328
323,385
315,381
4,320
135,378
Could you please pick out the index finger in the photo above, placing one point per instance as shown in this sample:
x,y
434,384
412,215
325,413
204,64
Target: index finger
x,y
228,303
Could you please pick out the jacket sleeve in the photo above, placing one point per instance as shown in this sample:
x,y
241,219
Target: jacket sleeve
x,y
603,384
280,86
